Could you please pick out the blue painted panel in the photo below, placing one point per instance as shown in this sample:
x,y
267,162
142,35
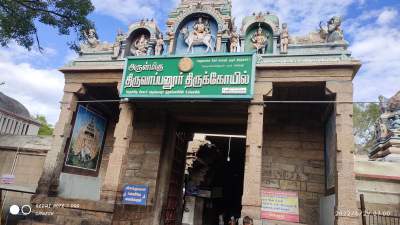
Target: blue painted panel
x,y
135,195
181,46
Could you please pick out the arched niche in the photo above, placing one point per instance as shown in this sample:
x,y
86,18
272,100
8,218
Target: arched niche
x,y
180,47
251,30
135,35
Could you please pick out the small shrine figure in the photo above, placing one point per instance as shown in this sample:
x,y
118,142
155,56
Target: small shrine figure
x,y
332,32
117,44
141,45
395,122
383,103
91,38
259,40
159,48
284,36
234,40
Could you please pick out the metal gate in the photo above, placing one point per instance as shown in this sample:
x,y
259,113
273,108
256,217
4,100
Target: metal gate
x,y
378,217
173,208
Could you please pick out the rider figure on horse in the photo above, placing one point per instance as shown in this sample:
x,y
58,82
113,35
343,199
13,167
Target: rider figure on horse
x,y
200,28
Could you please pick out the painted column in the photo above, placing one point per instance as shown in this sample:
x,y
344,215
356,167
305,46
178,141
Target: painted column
x,y
171,44
49,179
123,137
219,42
275,45
251,199
345,188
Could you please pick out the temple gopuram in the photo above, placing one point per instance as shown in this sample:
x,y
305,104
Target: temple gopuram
x,y
275,110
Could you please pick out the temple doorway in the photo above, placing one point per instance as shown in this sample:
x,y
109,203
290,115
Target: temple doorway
x,y
213,179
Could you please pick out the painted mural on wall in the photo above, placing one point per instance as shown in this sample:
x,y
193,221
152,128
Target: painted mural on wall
x,y
85,146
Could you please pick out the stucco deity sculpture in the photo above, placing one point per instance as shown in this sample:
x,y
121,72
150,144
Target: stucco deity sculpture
x,y
395,122
259,40
383,103
393,104
201,35
234,40
284,36
159,48
333,32
201,28
117,44
140,46
387,130
91,38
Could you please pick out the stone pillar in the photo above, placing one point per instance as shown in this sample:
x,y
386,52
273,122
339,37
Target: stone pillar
x,y
123,137
218,42
275,45
48,182
171,44
242,43
345,188
251,199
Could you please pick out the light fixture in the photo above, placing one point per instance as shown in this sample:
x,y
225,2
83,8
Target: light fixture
x,y
229,149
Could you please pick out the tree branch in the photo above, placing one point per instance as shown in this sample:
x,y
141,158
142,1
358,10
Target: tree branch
x,y
42,10
38,42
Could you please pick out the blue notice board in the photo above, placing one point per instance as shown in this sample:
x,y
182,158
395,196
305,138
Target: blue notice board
x,y
135,194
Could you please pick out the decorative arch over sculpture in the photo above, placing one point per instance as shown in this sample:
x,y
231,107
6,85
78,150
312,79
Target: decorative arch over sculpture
x,y
136,30
200,10
269,23
184,18
181,46
251,29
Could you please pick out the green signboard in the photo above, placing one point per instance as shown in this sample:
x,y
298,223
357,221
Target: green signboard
x,y
227,76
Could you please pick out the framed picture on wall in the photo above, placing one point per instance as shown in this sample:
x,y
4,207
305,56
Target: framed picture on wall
x,y
85,146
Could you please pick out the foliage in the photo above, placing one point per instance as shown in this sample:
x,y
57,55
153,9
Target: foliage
x,y
18,19
45,128
364,118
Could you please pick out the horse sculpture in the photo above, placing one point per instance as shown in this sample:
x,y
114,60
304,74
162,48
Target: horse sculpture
x,y
191,39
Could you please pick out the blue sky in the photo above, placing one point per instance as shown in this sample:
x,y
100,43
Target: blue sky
x,y
371,26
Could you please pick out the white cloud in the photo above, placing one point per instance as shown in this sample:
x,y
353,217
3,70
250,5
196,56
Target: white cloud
x,y
375,43
39,90
17,53
387,16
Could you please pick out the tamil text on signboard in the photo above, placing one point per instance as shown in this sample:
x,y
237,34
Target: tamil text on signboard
x,y
135,194
279,205
228,76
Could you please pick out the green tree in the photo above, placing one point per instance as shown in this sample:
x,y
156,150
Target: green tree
x,y
364,118
18,20
45,128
